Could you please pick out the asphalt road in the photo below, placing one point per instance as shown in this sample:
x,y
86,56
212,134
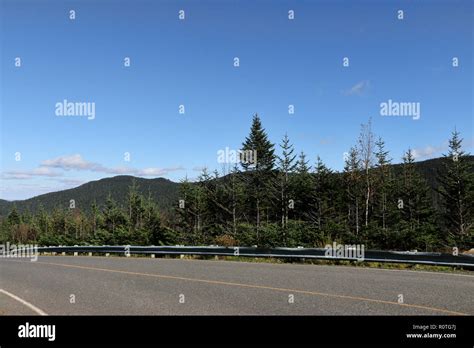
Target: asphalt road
x,y
81,285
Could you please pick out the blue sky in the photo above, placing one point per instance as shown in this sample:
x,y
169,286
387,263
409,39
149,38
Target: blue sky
x,y
190,62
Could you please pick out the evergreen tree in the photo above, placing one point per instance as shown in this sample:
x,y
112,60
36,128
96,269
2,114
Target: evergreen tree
x,y
234,190
14,217
114,218
303,188
415,204
456,181
365,151
259,176
95,215
135,207
353,189
323,199
188,210
286,167
383,184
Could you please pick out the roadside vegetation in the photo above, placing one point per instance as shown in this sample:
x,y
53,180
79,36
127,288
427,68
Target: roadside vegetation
x,y
282,200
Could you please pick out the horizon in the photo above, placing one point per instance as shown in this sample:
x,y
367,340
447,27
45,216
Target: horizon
x,y
133,70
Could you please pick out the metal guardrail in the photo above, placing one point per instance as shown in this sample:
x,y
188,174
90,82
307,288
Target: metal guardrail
x,y
438,259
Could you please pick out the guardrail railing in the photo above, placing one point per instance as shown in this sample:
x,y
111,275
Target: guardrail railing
x,y
426,258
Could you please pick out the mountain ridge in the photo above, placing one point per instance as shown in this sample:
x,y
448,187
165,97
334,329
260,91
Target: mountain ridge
x,y
163,191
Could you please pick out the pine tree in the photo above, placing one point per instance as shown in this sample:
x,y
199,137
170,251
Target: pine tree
x,y
383,183
234,191
456,181
415,204
353,189
365,150
135,207
43,220
95,213
114,218
14,218
258,143
259,176
286,167
190,210
303,188
322,200
215,210
152,223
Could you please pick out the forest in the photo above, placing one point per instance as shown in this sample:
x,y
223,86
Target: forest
x,y
281,200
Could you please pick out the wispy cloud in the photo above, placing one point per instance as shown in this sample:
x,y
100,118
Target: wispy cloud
x,y
428,151
52,168
199,168
157,171
71,162
28,174
358,89
71,182
78,163
431,151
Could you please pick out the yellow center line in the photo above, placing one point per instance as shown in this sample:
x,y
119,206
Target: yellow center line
x,y
252,286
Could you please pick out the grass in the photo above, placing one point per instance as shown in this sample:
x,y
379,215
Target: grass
x,y
380,265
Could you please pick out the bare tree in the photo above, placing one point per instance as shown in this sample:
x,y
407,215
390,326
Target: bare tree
x,y
366,153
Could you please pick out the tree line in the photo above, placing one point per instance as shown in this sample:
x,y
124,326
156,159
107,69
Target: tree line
x,y
283,200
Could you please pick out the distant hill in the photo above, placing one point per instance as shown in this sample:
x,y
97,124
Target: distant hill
x,y
163,191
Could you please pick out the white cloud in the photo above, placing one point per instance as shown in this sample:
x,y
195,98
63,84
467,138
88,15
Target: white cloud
x,y
437,150
199,168
359,88
27,174
75,162
71,182
428,151
157,171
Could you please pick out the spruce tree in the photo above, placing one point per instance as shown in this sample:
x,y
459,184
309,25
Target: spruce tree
x,y
323,200
456,186
383,184
416,207
353,189
14,218
303,188
259,173
365,151
286,167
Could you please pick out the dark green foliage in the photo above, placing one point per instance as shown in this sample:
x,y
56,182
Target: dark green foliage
x,y
456,188
260,176
277,201
286,187
164,192
303,188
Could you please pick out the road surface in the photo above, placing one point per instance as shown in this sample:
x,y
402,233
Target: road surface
x,y
81,285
